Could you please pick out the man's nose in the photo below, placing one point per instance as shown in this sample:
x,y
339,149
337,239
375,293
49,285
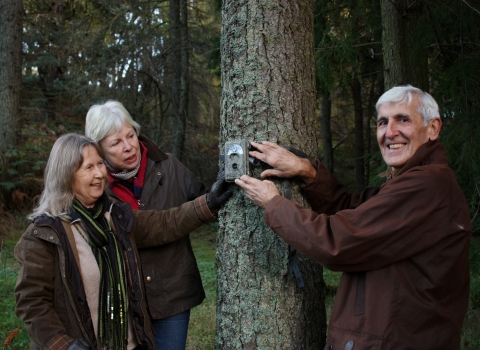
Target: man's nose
x,y
392,129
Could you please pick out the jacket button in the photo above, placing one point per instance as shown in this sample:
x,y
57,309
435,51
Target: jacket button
x,y
142,205
159,173
349,345
35,232
51,238
129,249
149,278
120,216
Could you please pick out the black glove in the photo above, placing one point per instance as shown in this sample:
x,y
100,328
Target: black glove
x,y
218,194
79,344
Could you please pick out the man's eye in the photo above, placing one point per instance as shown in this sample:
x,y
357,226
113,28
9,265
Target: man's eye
x,y
381,123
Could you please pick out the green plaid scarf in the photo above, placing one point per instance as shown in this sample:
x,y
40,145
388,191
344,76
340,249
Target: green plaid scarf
x,y
112,331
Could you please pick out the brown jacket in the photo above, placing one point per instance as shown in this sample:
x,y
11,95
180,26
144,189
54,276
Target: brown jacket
x,y
403,249
49,292
171,276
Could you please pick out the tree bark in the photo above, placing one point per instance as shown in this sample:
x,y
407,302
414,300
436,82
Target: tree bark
x,y
359,135
11,13
178,115
325,121
268,93
405,56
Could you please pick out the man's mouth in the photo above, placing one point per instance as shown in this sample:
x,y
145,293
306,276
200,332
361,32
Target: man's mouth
x,y
396,145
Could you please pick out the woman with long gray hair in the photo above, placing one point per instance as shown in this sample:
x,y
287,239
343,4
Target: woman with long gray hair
x,y
79,285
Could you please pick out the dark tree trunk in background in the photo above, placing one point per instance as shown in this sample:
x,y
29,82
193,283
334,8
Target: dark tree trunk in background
x,y
359,135
369,118
11,14
177,96
404,51
184,79
325,121
268,93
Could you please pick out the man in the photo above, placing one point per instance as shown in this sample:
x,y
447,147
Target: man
x,y
403,247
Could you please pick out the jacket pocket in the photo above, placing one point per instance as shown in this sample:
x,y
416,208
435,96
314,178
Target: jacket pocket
x,y
340,339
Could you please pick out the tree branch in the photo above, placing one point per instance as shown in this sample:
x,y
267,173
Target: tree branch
x,y
473,8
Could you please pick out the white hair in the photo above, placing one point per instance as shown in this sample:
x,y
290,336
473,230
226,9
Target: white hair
x,y
65,159
107,119
428,107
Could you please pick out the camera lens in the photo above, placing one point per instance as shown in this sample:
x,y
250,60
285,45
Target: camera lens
x,y
234,166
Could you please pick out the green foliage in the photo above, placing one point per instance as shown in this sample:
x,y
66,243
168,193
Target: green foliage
x,y
81,53
21,171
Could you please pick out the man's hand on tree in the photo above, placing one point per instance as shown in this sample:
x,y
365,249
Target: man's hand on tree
x,y
284,163
258,191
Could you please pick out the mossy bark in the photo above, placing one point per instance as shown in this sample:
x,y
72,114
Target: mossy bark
x,y
11,16
268,93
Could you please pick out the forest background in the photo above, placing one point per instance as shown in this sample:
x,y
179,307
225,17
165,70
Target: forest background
x,y
162,60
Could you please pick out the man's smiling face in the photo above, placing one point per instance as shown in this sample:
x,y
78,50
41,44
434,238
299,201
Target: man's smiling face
x,y
400,132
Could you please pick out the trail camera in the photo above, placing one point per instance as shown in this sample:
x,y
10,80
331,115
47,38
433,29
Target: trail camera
x,y
236,159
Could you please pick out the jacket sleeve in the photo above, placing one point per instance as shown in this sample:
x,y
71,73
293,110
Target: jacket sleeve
x,y
152,228
34,293
327,195
410,214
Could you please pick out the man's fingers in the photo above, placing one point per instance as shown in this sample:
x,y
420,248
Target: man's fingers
x,y
268,173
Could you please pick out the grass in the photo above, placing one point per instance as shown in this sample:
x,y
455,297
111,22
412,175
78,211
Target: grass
x,y
201,331
201,334
11,336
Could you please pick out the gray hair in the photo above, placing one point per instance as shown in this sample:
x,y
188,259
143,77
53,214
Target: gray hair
x,y
65,159
428,107
107,119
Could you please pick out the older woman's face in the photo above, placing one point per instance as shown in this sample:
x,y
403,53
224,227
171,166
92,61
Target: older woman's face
x,y
122,150
89,179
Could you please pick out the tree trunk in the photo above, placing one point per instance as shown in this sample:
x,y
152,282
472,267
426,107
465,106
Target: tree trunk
x,y
359,138
325,121
405,56
184,79
11,13
268,93
178,117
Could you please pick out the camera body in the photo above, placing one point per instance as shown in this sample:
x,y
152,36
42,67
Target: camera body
x,y
237,161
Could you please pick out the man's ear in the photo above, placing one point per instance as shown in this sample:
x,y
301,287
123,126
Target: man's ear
x,y
434,127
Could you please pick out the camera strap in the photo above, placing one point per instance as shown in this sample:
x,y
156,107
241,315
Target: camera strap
x,y
292,252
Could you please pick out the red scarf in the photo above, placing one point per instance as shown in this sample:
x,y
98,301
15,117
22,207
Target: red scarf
x,y
129,191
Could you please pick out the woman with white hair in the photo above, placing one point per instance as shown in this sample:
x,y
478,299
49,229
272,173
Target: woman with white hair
x,y
145,177
79,286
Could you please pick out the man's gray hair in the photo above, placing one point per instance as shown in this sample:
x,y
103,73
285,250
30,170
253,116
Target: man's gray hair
x,y
65,159
107,119
428,107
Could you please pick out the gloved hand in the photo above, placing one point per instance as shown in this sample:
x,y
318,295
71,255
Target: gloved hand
x,y
219,193
79,344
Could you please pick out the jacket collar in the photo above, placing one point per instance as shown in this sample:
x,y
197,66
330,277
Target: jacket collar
x,y
431,152
154,153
